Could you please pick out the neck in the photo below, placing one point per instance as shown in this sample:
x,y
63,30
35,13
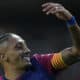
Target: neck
x,y
11,72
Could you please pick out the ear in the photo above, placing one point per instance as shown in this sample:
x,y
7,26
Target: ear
x,y
3,58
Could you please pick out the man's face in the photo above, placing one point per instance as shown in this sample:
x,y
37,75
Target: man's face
x,y
18,53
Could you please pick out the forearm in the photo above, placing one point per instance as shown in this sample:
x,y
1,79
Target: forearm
x,y
69,55
75,34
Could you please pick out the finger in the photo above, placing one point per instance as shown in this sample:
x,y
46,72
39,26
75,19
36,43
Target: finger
x,y
45,4
51,4
47,8
50,11
57,10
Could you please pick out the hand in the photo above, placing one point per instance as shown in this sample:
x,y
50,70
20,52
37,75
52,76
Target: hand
x,y
56,9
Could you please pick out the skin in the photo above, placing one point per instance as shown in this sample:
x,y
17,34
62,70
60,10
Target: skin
x,y
13,63
11,56
61,13
16,48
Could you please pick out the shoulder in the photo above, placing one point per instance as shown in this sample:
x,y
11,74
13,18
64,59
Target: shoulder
x,y
43,56
44,60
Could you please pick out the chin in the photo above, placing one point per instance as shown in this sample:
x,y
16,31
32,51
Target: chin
x,y
24,66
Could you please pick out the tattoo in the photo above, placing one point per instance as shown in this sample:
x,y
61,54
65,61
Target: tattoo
x,y
68,57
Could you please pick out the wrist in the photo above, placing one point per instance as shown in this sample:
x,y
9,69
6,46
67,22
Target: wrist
x,y
71,22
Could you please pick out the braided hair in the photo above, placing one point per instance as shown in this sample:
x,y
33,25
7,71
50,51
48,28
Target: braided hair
x,y
4,36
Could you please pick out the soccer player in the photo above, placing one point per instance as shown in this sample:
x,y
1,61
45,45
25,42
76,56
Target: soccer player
x,y
19,64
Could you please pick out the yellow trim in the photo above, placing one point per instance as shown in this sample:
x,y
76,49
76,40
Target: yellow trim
x,y
57,61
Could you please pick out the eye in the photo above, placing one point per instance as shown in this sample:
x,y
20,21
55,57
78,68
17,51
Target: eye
x,y
19,46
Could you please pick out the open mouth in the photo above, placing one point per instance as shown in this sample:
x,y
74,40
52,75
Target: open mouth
x,y
26,56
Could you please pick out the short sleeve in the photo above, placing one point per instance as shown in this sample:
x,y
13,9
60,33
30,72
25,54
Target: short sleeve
x,y
52,62
45,61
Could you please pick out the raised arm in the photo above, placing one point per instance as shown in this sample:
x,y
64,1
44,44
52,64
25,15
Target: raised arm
x,y
70,55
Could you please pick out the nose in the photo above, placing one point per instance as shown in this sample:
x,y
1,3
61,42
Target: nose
x,y
26,50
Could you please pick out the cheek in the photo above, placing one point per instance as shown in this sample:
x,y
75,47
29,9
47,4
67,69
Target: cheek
x,y
12,53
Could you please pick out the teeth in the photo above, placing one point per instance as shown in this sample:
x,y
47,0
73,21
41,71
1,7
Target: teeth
x,y
27,58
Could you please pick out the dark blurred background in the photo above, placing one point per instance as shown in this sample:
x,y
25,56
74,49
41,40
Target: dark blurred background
x,y
43,34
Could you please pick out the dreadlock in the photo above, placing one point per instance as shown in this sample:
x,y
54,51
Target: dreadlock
x,y
3,41
4,36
